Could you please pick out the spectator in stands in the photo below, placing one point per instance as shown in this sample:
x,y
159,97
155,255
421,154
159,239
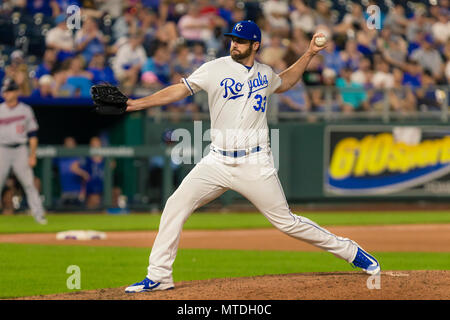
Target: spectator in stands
x,y
413,72
198,56
353,20
193,26
419,24
411,68
182,63
89,40
238,14
396,20
322,13
46,66
296,99
78,79
302,17
394,46
382,78
126,24
46,87
153,29
366,42
332,57
95,168
101,72
18,70
271,54
441,28
384,37
209,10
225,11
128,62
111,7
401,98
427,94
353,95
428,57
60,38
363,75
71,177
351,56
327,99
158,64
297,46
276,12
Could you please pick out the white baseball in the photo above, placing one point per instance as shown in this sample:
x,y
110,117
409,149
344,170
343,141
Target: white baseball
x,y
320,41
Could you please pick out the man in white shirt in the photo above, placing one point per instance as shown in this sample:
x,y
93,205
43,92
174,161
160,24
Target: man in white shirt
x,y
128,62
240,158
61,38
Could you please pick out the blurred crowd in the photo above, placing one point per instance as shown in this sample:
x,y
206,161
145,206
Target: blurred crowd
x,y
144,45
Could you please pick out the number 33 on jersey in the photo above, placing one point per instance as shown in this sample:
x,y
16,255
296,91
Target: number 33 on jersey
x,y
237,95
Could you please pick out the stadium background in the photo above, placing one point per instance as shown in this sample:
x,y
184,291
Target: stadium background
x,y
392,80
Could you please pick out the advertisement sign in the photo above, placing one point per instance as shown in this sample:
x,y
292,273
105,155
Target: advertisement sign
x,y
387,160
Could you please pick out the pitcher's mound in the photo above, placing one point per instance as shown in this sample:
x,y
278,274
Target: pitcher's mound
x,y
391,285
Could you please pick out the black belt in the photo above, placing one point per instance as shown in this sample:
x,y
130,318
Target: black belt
x,y
237,153
15,145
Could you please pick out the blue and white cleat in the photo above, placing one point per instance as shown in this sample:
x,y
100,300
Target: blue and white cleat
x,y
366,262
147,285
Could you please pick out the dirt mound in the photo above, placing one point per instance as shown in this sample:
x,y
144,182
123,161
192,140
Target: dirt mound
x,y
392,285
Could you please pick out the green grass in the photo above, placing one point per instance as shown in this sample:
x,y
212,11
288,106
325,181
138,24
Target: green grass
x,y
37,269
211,221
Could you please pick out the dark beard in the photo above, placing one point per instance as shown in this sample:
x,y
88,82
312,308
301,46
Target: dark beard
x,y
240,56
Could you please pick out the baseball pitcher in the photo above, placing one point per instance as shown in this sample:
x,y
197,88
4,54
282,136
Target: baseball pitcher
x,y
240,159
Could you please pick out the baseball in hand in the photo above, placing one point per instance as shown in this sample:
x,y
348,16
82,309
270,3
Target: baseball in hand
x,y
320,41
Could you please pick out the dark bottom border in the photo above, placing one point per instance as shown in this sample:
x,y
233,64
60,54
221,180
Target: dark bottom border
x,y
218,309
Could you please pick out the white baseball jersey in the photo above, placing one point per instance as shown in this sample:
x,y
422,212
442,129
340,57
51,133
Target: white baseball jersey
x,y
16,123
238,101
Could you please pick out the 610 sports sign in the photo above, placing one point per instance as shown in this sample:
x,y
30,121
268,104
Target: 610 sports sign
x,y
387,160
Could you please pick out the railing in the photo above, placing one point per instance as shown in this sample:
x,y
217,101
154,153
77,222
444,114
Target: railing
x,y
48,153
384,111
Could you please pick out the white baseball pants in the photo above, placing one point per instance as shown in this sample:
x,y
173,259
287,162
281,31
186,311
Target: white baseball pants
x,y
253,176
17,159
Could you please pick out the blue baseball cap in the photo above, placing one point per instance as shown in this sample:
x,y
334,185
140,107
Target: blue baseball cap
x,y
246,29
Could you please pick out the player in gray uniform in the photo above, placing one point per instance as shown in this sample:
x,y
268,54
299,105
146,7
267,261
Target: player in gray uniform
x,y
240,157
18,127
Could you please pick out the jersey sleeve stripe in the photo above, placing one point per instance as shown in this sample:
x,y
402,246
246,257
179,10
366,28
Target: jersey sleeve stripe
x,y
187,84
32,133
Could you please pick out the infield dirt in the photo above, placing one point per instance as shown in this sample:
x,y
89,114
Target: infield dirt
x,y
393,285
